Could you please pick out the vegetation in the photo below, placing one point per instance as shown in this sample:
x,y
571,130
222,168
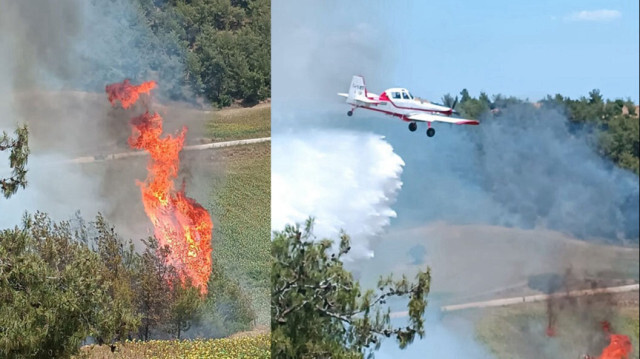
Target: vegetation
x,y
63,282
319,311
241,203
612,124
522,330
243,347
218,50
239,124
18,156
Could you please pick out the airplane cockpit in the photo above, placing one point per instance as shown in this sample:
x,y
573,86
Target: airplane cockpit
x,y
400,94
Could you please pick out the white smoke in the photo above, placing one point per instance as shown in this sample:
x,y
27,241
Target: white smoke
x,y
345,180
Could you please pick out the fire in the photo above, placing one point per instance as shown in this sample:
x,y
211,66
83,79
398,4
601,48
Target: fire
x,y
619,345
127,93
179,221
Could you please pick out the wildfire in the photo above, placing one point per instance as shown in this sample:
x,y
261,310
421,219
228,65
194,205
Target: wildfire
x,y
127,93
619,345
179,221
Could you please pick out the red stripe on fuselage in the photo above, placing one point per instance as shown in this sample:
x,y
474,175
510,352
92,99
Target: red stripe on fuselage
x,y
406,119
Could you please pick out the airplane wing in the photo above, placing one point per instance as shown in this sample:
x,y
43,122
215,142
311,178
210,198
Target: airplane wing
x,y
425,117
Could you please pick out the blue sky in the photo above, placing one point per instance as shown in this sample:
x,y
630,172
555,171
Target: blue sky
x,y
524,49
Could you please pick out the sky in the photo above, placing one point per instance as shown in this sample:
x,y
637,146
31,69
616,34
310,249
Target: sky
x,y
516,48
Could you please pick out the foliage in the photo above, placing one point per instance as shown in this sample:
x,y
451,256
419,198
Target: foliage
x,y
223,45
18,157
184,307
612,124
54,291
63,282
243,347
319,311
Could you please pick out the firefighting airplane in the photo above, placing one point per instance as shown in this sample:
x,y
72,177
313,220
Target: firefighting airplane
x,y
399,102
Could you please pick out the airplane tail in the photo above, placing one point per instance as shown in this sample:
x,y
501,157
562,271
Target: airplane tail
x,y
357,88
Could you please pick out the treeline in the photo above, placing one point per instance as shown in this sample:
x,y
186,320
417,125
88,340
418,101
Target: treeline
x,y
215,51
61,283
612,125
224,45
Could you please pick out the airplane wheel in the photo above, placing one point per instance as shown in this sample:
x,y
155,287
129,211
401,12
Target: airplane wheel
x,y
350,113
431,132
413,126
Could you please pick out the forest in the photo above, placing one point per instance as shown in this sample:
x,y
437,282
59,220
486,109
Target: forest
x,y
611,126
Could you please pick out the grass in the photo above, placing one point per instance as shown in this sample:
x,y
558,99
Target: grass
x,y
520,332
241,205
237,124
227,348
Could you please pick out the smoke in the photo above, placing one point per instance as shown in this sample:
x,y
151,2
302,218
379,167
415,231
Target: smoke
x,y
523,169
55,60
346,180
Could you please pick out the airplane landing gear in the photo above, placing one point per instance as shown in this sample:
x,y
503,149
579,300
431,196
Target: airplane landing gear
x,y
350,113
413,126
431,132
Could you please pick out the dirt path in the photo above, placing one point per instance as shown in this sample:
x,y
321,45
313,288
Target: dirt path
x,y
116,156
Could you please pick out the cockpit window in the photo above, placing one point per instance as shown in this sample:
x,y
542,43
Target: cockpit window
x,y
396,95
410,95
405,96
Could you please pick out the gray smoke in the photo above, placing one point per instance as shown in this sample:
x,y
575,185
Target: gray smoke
x,y
55,60
524,169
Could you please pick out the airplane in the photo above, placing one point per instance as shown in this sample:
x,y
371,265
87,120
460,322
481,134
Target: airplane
x,y
399,102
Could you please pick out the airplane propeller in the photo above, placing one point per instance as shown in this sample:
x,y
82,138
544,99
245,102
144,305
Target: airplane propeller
x,y
455,102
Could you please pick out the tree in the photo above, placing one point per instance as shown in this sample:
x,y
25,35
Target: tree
x,y
319,311
153,294
465,96
18,157
184,308
51,290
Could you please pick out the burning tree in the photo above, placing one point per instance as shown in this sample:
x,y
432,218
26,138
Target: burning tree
x,y
179,222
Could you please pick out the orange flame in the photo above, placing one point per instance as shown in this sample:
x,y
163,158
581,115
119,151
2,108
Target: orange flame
x,y
619,345
179,221
127,93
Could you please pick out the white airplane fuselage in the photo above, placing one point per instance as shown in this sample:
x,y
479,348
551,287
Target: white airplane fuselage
x,y
400,103
399,107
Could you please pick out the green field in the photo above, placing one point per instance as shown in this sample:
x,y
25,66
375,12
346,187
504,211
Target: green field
x,y
241,206
242,123
520,332
227,348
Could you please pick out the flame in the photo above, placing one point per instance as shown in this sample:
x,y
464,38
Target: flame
x,y
179,221
127,93
619,345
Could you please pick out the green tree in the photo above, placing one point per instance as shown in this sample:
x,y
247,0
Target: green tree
x,y
319,311
18,156
51,290
184,308
153,291
118,318
621,142
464,96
